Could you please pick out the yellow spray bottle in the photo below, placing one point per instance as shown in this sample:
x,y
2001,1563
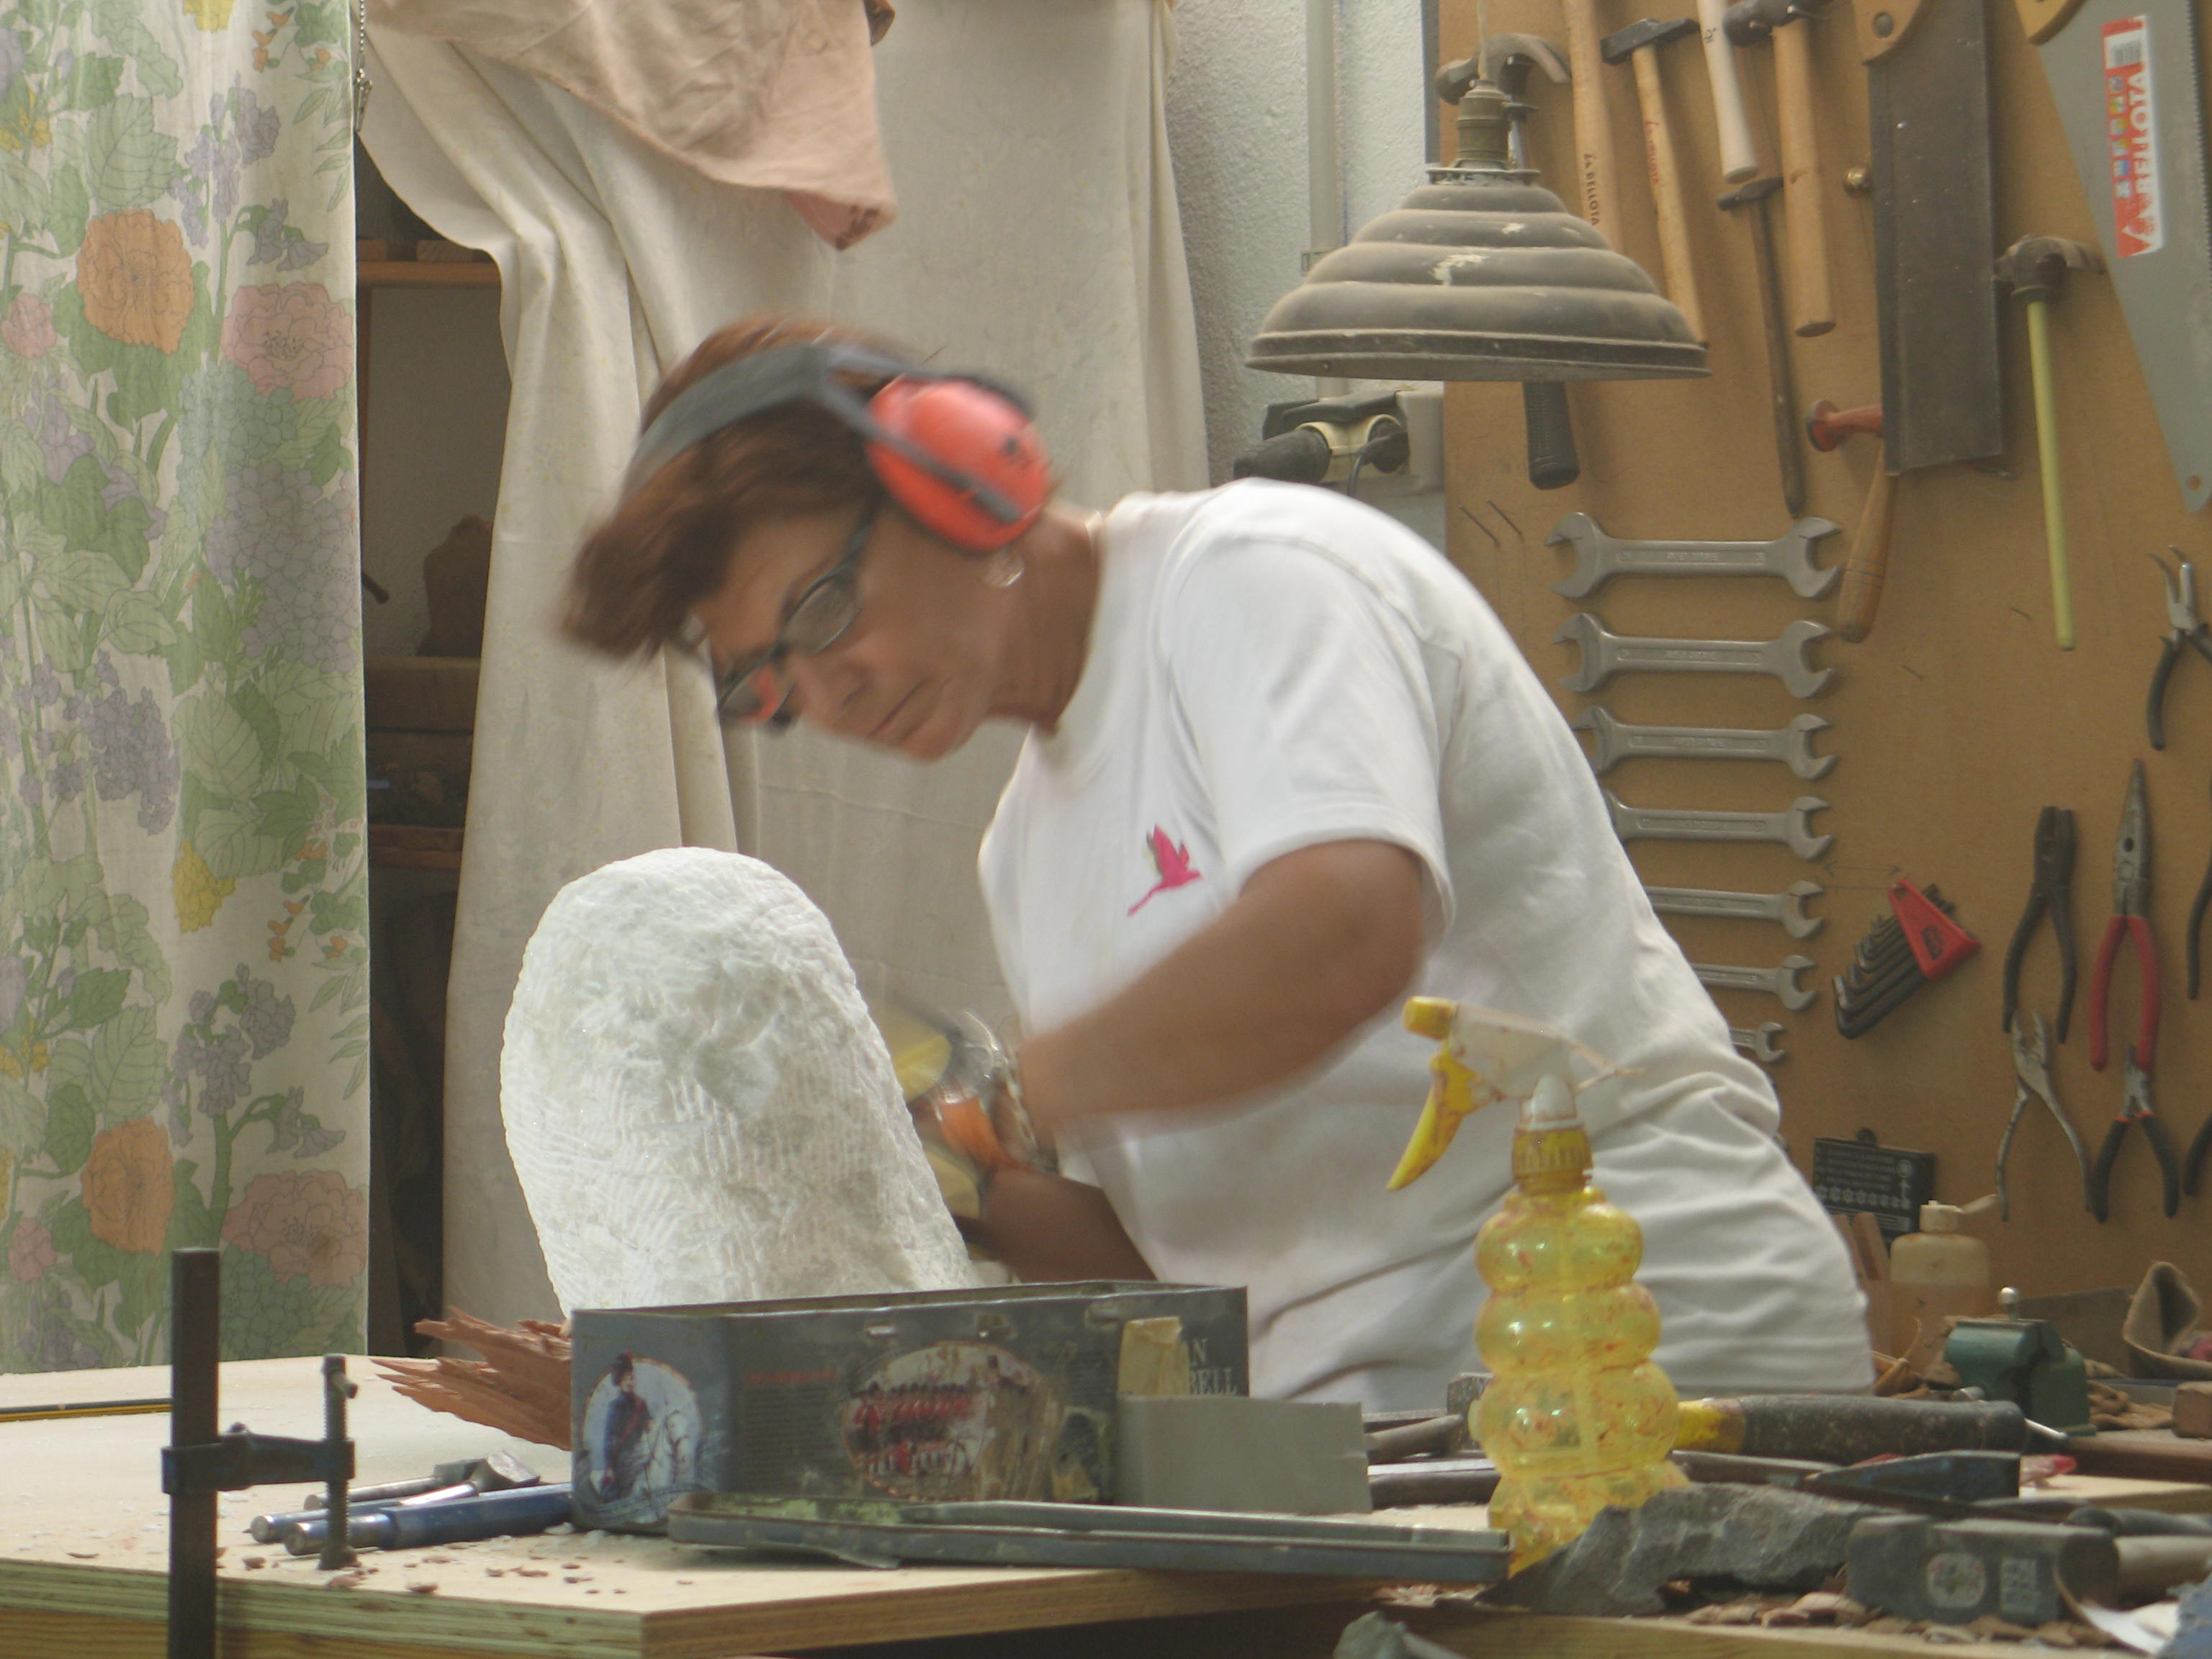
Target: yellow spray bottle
x,y
1577,1415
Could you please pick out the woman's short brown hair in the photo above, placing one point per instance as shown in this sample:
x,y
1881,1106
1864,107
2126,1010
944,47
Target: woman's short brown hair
x,y
667,545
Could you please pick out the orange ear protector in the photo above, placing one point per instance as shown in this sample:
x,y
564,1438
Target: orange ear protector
x,y
958,453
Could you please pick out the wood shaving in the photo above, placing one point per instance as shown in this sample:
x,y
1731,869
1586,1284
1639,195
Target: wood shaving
x,y
1725,1612
520,1386
345,1580
423,1587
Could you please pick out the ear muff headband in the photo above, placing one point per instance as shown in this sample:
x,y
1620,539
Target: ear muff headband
x,y
819,374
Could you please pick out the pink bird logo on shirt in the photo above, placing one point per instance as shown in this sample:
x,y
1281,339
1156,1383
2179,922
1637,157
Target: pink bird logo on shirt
x,y
1172,859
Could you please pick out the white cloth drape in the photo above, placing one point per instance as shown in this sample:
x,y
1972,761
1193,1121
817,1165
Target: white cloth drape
x,y
1038,238
613,263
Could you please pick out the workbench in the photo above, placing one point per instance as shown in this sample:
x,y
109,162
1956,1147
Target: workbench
x,y
83,1542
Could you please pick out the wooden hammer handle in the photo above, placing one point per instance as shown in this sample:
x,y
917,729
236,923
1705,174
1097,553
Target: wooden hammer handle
x,y
1666,192
1597,185
1813,306
1860,595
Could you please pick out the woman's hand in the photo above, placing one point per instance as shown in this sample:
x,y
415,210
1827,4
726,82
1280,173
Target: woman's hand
x,y
1319,942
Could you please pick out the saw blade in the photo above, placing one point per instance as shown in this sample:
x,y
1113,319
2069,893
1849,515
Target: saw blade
x,y
2124,76
1935,230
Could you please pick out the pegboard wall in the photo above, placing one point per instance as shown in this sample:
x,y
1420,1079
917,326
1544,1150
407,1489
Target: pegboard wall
x,y
1958,719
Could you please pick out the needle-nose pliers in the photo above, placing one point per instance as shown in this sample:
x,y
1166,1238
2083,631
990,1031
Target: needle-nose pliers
x,y
2052,893
2130,918
2031,1066
2185,629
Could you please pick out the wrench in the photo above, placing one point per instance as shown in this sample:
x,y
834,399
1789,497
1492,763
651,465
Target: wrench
x,y
1759,1041
1787,908
1791,828
1606,655
1780,982
1617,741
1599,557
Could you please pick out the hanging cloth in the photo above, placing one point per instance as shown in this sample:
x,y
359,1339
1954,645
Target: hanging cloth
x,y
771,94
614,262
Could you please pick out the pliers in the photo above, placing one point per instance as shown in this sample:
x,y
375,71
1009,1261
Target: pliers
x,y
2031,1066
2183,628
2135,1107
2052,893
2131,917
2197,929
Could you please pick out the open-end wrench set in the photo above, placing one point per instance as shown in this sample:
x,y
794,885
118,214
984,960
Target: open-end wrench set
x,y
1786,658
1930,178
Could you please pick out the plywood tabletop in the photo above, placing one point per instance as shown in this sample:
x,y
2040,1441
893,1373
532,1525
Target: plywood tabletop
x,y
84,1529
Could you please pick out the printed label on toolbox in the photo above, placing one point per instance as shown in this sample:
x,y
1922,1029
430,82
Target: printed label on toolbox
x,y
2131,137
638,1445
953,1420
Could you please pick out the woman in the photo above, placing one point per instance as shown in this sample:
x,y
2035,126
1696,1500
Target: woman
x,y
1283,769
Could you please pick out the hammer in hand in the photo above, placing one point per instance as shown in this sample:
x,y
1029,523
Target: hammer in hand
x,y
1747,23
1638,44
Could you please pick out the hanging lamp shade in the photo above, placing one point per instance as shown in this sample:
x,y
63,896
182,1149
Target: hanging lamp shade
x,y
1479,274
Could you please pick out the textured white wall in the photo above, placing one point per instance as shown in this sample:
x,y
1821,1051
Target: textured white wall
x,y
1236,124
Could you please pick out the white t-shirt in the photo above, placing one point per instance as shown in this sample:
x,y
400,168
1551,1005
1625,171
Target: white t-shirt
x,y
1273,666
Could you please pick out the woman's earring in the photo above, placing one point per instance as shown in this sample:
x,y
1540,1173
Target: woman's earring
x,y
1004,568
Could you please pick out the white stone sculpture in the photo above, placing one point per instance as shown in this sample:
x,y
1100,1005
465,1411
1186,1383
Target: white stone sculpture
x,y
698,1105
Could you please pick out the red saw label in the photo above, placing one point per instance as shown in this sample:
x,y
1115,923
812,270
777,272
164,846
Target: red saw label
x,y
2132,138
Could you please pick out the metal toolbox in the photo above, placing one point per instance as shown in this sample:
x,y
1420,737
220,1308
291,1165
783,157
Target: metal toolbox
x,y
935,1396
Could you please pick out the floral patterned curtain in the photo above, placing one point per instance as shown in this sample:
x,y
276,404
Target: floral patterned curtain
x,y
183,965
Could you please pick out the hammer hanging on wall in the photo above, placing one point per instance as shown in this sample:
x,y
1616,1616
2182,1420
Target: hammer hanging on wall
x,y
1739,156
1597,181
1747,23
1752,196
2035,269
1638,45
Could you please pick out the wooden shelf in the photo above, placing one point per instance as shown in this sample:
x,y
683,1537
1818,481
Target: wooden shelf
x,y
413,847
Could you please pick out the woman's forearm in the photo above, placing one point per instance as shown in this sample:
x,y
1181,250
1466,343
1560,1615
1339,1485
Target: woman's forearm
x,y
1319,942
1046,1228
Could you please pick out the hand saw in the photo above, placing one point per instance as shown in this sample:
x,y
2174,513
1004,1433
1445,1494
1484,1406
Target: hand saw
x,y
1934,229
2124,76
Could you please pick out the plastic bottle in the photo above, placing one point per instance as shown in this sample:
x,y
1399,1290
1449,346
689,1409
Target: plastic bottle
x,y
1577,1415
1934,1274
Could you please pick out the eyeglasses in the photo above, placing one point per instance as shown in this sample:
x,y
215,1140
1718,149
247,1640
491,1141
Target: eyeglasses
x,y
749,692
